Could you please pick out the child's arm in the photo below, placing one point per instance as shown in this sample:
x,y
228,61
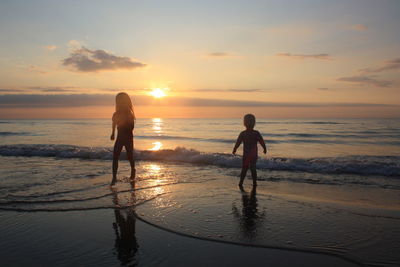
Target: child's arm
x,y
262,143
113,127
238,142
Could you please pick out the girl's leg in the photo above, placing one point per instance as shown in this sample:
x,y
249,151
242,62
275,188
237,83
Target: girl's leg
x,y
129,154
117,151
243,175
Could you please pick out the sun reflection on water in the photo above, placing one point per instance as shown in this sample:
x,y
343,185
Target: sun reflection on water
x,y
156,146
153,168
157,125
155,177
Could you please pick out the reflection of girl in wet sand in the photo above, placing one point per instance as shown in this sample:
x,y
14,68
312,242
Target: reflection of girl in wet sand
x,y
125,230
124,119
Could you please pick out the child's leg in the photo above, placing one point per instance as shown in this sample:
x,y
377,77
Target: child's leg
x,y
243,175
129,154
117,151
253,173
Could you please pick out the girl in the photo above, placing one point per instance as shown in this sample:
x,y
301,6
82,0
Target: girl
x,y
124,119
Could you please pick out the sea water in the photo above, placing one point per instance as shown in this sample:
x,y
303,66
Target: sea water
x,y
358,146
338,151
65,165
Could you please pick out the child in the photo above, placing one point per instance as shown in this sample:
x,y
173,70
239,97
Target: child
x,y
124,119
250,138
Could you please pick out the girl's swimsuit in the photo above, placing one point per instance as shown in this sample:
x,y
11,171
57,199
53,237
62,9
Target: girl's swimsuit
x,y
124,139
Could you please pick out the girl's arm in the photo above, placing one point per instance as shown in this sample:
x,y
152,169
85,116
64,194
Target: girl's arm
x,y
113,127
262,143
238,142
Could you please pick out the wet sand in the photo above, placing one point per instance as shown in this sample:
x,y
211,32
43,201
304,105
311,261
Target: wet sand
x,y
90,238
312,218
198,216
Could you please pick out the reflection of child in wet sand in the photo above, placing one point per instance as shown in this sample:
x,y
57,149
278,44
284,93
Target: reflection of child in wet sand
x,y
250,138
124,119
125,229
250,218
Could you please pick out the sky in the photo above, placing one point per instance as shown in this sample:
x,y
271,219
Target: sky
x,y
276,59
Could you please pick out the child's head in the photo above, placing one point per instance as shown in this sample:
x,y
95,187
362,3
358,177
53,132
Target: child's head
x,y
123,103
249,121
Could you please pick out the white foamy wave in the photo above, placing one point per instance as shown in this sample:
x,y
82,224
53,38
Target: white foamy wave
x,y
362,165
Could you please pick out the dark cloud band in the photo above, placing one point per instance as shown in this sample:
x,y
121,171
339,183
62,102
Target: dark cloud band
x,y
389,65
366,80
80,100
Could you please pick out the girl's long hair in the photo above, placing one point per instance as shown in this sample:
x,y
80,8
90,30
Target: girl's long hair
x,y
123,105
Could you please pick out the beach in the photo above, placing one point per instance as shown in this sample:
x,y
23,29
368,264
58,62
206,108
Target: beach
x,y
185,207
127,130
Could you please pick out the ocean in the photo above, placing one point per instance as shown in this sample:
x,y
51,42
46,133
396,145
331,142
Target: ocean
x,y
341,146
352,164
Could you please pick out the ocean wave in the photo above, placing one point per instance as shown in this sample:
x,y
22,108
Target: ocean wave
x,y
300,122
16,133
322,135
297,138
173,137
361,165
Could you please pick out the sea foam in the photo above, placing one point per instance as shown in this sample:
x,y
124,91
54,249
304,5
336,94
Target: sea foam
x,y
362,165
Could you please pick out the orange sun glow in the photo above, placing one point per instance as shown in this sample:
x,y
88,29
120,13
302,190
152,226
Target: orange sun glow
x,y
158,93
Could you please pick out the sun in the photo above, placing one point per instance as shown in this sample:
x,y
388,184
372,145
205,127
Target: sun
x,y
158,93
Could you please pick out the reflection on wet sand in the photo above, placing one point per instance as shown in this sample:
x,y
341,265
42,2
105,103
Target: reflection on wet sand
x,y
125,229
154,177
249,218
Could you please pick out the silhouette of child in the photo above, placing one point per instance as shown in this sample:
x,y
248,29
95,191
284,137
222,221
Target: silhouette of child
x,y
124,120
250,138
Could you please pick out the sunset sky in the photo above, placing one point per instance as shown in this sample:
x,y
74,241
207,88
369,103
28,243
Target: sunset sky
x,y
277,59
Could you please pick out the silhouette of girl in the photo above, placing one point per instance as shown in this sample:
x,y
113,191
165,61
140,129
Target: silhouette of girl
x,y
124,119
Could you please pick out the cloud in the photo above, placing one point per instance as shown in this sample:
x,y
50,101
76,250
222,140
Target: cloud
x,y
393,64
3,90
227,90
121,89
43,101
324,89
218,54
358,27
53,89
80,100
366,80
50,47
86,60
305,56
